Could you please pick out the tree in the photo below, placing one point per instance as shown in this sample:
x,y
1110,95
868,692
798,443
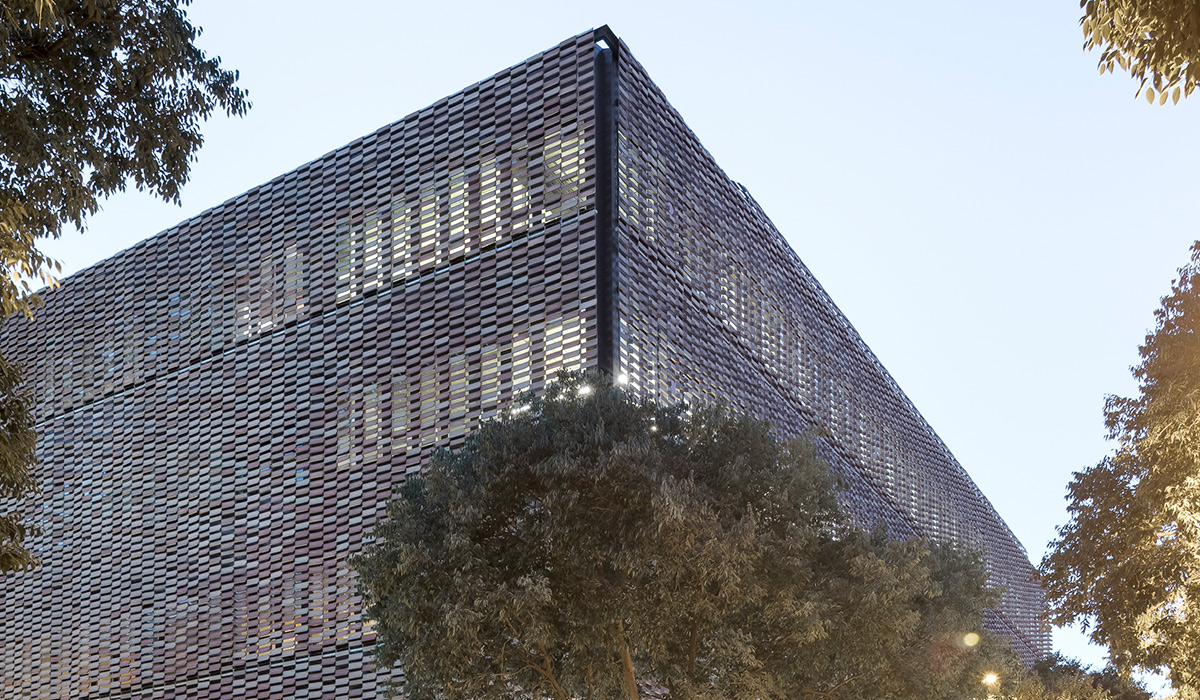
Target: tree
x,y
587,541
16,467
1156,41
1059,687
1127,563
94,94
1059,678
1057,671
1120,686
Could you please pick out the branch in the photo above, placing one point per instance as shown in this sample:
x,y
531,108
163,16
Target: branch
x,y
628,679
558,689
516,634
829,694
693,644
847,680
547,672
41,51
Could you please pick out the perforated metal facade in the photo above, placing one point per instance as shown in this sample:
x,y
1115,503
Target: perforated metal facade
x,y
224,408
713,304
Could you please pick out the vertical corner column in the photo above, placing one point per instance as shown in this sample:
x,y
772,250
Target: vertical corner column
x,y
607,288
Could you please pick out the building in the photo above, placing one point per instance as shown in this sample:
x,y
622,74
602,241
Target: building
x,y
225,407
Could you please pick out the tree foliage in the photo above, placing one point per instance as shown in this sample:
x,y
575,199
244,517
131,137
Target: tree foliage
x,y
1025,686
586,542
1057,672
94,94
16,467
1156,41
1128,561
1059,678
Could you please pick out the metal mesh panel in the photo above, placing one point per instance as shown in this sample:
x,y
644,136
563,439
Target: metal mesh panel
x,y
224,409
715,306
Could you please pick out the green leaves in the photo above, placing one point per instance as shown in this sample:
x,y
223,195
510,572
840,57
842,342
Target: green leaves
x,y
1063,677
591,540
94,95
17,459
1128,560
1156,42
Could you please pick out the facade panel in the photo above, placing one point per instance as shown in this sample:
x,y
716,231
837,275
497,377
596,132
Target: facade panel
x,y
714,305
224,408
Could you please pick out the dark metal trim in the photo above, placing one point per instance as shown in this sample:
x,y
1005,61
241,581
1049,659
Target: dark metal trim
x,y
606,201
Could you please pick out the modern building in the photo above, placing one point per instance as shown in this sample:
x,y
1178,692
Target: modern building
x,y
225,407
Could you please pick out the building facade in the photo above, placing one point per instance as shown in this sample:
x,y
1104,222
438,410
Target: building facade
x,y
224,408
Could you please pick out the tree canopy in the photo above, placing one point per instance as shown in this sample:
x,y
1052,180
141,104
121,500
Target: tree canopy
x,y
1127,563
94,94
586,542
1057,672
1156,41
16,467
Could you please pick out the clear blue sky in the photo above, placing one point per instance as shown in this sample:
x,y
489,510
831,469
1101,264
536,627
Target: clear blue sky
x,y
996,218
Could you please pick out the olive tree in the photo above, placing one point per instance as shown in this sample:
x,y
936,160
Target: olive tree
x,y
589,544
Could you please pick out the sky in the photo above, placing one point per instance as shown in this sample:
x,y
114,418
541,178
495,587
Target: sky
x,y
997,219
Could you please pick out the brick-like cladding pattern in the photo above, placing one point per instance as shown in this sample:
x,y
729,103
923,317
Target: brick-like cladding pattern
x,y
714,304
224,408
